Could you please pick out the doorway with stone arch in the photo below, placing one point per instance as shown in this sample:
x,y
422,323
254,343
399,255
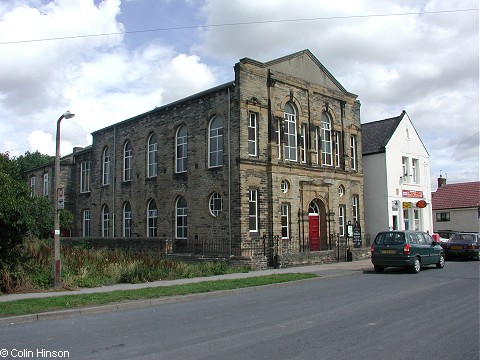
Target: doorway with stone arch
x,y
317,225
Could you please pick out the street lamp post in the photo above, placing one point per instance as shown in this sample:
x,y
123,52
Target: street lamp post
x,y
56,219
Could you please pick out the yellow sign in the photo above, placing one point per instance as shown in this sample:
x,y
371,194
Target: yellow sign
x,y
406,205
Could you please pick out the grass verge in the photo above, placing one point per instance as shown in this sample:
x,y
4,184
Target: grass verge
x,y
39,305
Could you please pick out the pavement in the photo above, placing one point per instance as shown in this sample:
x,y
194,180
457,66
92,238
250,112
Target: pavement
x,y
322,270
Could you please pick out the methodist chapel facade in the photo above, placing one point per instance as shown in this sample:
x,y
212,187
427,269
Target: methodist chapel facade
x,y
274,153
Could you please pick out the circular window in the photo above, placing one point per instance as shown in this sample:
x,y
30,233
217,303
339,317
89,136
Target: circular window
x,y
341,190
215,204
284,186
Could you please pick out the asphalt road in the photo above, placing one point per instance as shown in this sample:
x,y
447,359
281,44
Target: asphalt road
x,y
394,315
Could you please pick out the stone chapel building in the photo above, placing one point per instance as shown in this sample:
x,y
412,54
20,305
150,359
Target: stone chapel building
x,y
274,153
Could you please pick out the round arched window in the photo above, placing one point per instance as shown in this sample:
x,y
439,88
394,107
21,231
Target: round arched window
x,y
341,191
284,186
215,204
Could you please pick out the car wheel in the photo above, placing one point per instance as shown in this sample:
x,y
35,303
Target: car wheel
x,y
441,262
378,268
415,268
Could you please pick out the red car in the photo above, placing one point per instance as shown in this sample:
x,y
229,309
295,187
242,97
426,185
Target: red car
x,y
465,245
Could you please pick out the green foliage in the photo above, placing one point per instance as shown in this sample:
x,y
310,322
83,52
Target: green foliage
x,y
86,267
29,161
66,218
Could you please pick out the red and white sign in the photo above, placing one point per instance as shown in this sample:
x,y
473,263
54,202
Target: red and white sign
x,y
412,194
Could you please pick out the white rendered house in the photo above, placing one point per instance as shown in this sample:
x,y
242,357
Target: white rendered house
x,y
397,190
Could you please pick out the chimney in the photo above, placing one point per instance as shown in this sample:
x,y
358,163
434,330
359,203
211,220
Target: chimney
x,y
441,181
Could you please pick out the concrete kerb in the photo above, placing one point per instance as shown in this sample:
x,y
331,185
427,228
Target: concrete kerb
x,y
323,271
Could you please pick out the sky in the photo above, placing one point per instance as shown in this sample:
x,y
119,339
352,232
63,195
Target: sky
x,y
106,61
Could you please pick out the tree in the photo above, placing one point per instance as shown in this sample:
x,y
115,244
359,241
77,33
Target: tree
x,y
20,214
29,161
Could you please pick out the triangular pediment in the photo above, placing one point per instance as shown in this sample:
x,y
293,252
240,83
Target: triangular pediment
x,y
304,65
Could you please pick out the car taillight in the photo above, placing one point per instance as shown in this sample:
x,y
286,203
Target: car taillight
x,y
372,248
406,249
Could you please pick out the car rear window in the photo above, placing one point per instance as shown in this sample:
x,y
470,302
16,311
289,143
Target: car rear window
x,y
390,238
463,238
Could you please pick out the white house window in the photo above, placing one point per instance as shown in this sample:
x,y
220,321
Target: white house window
x,y
405,169
152,156
152,215
353,152
181,150
127,220
341,220
252,134
442,216
290,131
415,171
341,190
105,221
252,211
86,223
284,186
326,140
127,161
45,184
216,204
285,221
106,166
85,177
215,143
181,218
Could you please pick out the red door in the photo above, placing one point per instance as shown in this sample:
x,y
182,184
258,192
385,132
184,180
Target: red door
x,y
314,232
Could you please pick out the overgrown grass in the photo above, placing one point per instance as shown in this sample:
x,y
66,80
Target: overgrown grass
x,y
85,267
34,306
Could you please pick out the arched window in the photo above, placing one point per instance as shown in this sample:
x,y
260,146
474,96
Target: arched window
x,y
181,150
181,218
127,161
106,166
152,215
290,131
215,204
127,220
105,221
152,156
326,137
215,143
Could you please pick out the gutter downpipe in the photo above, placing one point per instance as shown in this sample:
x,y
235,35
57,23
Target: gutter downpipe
x,y
229,175
114,177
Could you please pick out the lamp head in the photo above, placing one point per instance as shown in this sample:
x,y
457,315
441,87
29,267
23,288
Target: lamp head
x,y
68,115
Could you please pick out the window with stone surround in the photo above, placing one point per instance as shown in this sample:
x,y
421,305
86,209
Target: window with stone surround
x,y
86,223
216,204
353,152
152,217
215,143
181,218
341,220
253,210
85,177
290,132
285,214
127,220
127,161
45,184
326,137
152,156
252,133
105,221
181,150
106,166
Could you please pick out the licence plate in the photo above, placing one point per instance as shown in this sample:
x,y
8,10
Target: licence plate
x,y
457,248
388,251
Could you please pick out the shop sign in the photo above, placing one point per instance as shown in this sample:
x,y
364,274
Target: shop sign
x,y
412,194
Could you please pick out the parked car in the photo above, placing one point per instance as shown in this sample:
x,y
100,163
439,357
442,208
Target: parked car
x,y
463,245
406,248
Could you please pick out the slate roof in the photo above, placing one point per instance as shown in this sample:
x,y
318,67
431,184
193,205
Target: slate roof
x,y
457,196
376,134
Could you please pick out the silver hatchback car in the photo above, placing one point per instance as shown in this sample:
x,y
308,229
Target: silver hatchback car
x,y
406,248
